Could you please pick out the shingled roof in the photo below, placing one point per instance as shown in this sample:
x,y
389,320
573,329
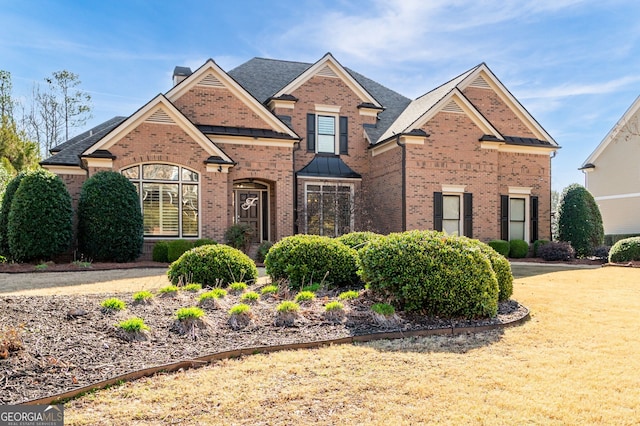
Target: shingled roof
x,y
68,153
263,78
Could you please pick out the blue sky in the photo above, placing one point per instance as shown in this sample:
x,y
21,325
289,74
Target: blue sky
x,y
573,64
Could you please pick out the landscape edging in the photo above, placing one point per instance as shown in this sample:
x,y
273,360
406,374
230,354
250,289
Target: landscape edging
x,y
236,353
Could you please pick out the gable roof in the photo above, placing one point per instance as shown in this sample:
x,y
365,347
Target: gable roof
x,y
68,153
264,78
613,133
158,110
211,74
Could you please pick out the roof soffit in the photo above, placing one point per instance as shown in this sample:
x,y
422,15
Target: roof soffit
x,y
505,95
328,66
211,75
159,110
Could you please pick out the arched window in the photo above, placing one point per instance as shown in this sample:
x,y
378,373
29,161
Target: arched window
x,y
169,199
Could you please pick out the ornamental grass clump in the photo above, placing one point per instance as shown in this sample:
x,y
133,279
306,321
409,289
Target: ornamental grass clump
x,y
189,321
384,314
133,330
237,287
250,297
286,313
269,290
334,311
112,305
305,297
210,299
240,316
193,287
430,272
143,297
169,291
348,295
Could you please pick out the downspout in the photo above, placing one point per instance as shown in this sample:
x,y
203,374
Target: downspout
x,y
296,146
403,204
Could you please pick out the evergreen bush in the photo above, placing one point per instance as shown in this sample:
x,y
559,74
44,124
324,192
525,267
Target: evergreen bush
x,y
239,236
303,259
40,218
110,226
357,240
536,246
579,221
518,249
176,248
428,271
7,198
263,249
556,250
501,246
500,266
625,250
203,242
160,252
212,265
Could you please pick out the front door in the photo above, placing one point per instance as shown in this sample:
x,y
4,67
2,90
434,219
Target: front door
x,y
249,210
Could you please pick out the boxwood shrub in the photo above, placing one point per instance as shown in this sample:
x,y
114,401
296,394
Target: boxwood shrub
x,y
518,249
625,250
303,259
500,266
160,252
428,271
40,218
212,265
357,240
501,246
204,242
176,248
110,224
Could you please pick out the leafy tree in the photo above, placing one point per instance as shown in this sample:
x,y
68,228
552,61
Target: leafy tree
x,y
579,221
40,217
110,224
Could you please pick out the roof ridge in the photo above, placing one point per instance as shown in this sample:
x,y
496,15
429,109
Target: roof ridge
x,y
469,71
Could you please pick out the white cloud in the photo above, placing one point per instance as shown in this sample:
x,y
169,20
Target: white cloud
x,y
567,90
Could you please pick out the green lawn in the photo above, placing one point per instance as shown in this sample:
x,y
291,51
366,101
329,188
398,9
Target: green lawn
x,y
575,362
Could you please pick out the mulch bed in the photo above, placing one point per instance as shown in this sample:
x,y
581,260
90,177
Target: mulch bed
x,y
65,351
15,268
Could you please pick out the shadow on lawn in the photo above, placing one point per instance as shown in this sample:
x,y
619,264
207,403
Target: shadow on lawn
x,y
525,270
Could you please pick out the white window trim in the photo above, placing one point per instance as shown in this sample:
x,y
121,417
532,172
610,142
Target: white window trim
x,y
521,192
455,190
330,183
328,111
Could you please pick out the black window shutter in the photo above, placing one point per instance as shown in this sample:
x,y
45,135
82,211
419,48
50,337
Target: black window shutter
x,y
311,132
437,211
534,218
504,217
344,135
467,226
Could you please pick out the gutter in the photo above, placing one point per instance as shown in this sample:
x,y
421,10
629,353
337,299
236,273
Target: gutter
x,y
403,204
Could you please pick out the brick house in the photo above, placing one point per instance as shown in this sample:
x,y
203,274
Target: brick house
x,y
291,147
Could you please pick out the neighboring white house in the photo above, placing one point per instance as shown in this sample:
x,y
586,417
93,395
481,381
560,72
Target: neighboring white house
x,y
612,174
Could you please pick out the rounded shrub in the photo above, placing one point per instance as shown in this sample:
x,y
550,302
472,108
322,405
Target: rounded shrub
x,y
501,246
41,217
500,266
431,272
211,265
579,220
536,246
625,250
110,226
177,248
357,240
556,250
160,252
204,242
518,249
7,198
303,259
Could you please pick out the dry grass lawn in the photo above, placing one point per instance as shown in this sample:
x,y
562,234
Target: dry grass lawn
x,y
575,362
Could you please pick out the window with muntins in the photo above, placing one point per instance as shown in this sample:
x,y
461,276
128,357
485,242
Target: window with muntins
x,y
169,196
329,209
